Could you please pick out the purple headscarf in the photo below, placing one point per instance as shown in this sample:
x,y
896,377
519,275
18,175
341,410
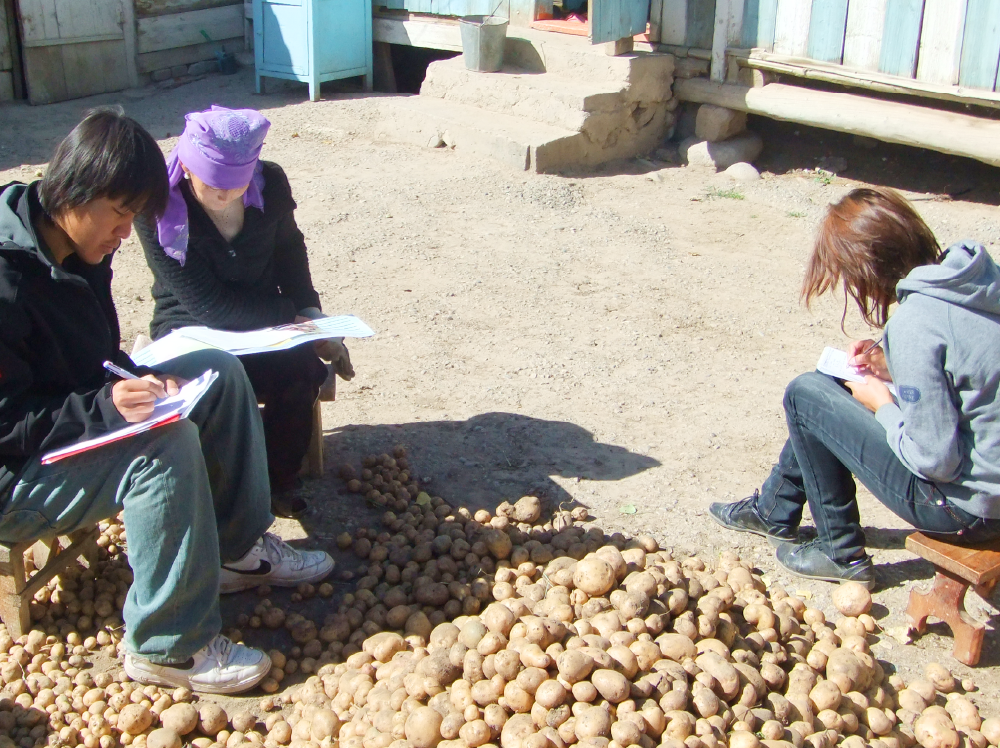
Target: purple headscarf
x,y
221,147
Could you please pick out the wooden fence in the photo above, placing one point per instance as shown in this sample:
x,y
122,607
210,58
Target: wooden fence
x,y
933,42
169,32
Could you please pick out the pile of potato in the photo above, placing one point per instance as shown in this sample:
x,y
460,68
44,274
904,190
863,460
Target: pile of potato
x,y
508,629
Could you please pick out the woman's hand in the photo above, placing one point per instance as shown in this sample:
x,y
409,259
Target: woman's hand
x,y
873,393
335,352
135,398
872,362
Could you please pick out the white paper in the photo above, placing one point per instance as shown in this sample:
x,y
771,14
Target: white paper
x,y
165,410
834,362
189,339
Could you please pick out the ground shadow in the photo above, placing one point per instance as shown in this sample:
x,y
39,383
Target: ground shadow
x,y
492,457
898,573
789,148
885,539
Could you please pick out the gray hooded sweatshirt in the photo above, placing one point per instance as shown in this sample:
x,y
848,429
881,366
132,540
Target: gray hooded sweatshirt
x,y
943,350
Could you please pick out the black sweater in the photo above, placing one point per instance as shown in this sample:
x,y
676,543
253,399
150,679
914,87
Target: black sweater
x,y
259,279
57,327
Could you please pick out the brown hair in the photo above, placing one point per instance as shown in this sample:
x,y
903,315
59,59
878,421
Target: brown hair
x,y
869,240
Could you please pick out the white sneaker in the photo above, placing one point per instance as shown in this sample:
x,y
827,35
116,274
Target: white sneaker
x,y
273,561
219,667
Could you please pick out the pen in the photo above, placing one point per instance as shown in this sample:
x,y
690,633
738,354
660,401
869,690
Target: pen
x,y
872,347
119,371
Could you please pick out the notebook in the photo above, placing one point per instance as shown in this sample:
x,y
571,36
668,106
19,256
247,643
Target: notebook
x,y
167,410
834,362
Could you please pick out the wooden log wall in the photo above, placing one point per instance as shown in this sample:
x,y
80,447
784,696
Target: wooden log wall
x,y
169,34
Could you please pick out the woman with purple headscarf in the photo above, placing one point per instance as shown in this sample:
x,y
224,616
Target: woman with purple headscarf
x,y
227,254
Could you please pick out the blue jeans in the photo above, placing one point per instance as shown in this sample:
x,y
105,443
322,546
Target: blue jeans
x,y
832,438
194,493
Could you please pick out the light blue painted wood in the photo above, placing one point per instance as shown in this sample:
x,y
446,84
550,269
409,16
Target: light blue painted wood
x,y
981,48
901,37
827,27
611,20
313,41
758,23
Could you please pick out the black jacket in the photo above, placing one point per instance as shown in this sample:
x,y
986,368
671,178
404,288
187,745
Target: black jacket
x,y
259,279
57,327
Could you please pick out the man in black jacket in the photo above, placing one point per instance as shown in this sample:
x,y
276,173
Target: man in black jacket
x,y
195,493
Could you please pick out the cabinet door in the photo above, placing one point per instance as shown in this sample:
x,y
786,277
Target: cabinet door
x,y
286,36
343,34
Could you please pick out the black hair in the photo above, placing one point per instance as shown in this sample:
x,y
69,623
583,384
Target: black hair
x,y
106,155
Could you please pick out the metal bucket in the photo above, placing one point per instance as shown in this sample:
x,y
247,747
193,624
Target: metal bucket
x,y
483,39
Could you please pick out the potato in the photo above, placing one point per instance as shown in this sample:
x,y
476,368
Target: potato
x,y
676,647
594,575
941,677
325,724
852,599
475,733
516,730
964,714
743,739
163,738
933,730
593,722
991,729
825,695
423,727
611,684
181,718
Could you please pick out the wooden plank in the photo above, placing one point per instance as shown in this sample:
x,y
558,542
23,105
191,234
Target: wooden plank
x,y
720,40
8,11
655,14
147,8
791,27
827,27
184,29
981,48
872,81
891,121
863,39
673,22
940,55
977,565
427,34
6,58
700,24
167,58
94,68
758,24
131,52
43,72
6,85
901,38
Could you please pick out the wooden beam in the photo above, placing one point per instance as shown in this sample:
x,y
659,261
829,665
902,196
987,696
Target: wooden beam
x,y
827,28
427,34
982,44
147,8
17,78
901,38
168,58
720,40
890,121
184,29
131,51
873,81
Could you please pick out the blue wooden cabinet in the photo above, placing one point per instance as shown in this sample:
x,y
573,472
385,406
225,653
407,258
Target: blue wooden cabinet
x,y
313,41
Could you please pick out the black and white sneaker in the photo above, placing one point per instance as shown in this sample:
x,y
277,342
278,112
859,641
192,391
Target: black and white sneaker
x,y
219,667
272,561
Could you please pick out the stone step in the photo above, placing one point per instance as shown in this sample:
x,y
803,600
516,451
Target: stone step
x,y
518,142
543,97
648,76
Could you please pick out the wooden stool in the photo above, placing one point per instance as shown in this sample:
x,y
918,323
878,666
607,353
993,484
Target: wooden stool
x,y
956,569
51,556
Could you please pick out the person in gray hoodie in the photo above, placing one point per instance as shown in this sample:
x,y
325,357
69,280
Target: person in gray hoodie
x,y
931,454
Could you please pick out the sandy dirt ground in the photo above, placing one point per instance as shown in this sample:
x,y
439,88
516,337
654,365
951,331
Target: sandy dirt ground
x,y
620,339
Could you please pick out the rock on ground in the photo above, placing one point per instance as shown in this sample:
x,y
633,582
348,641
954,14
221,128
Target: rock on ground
x,y
715,123
722,155
743,172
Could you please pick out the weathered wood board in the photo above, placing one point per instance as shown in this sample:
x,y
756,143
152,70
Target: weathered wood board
x,y
827,26
863,38
168,58
147,8
981,49
901,37
941,41
184,29
673,22
6,58
791,27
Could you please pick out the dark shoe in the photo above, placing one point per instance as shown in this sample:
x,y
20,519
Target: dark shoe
x,y
743,516
809,560
289,502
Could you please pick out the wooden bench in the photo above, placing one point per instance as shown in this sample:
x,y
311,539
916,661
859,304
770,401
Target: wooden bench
x,y
51,556
956,569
